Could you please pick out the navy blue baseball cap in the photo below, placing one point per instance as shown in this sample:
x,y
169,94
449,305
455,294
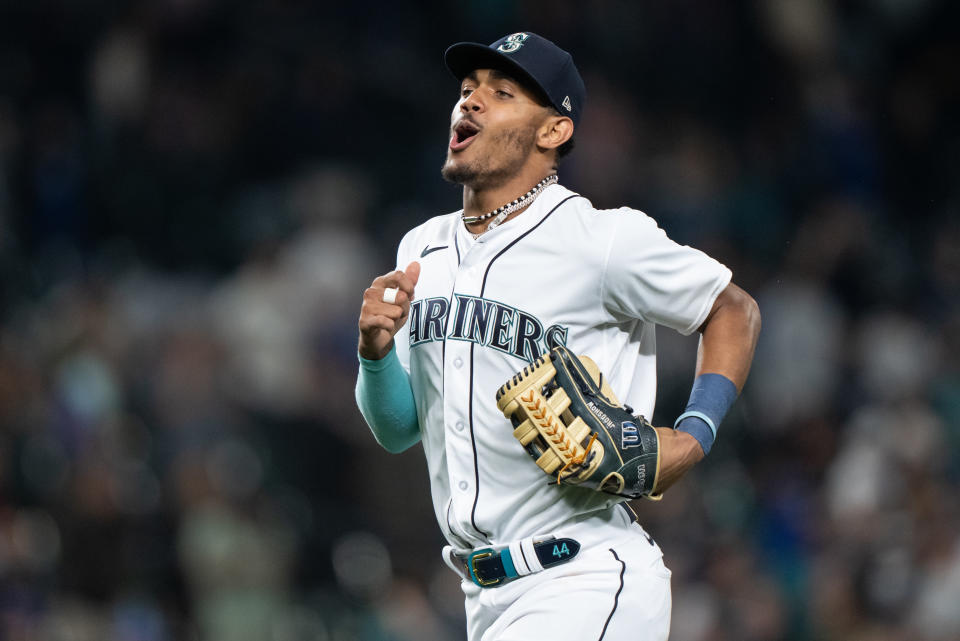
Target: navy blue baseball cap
x,y
531,59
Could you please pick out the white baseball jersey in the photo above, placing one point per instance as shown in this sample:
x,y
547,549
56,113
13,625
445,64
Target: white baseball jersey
x,y
560,272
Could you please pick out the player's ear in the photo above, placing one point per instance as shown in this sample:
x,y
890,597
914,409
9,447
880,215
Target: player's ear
x,y
555,131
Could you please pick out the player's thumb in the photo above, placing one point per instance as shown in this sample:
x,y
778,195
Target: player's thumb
x,y
413,272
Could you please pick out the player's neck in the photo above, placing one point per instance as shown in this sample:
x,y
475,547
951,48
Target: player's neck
x,y
479,201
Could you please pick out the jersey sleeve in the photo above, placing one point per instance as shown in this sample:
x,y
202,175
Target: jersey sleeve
x,y
651,277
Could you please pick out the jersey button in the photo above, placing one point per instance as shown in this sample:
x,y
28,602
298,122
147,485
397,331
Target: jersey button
x,y
460,425
464,485
458,362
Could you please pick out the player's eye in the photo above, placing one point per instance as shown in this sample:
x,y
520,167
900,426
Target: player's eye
x,y
465,92
506,94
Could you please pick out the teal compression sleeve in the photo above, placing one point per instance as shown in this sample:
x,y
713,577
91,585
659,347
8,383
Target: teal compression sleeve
x,y
386,401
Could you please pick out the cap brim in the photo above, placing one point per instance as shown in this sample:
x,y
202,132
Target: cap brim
x,y
464,57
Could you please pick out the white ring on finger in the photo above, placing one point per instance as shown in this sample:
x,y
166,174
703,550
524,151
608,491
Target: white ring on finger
x,y
390,295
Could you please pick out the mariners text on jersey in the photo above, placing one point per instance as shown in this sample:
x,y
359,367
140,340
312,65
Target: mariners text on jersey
x,y
485,322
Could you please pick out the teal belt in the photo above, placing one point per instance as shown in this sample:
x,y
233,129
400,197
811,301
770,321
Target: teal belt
x,y
489,567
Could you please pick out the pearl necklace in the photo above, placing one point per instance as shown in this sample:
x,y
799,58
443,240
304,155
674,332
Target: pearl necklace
x,y
502,212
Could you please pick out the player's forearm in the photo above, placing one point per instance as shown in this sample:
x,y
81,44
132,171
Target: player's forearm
x,y
679,452
385,399
729,336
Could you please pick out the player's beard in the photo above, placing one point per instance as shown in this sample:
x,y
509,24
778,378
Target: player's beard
x,y
503,157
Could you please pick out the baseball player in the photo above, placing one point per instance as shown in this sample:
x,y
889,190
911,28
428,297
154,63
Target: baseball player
x,y
528,270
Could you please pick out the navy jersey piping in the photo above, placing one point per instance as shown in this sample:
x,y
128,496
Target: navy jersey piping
x,y
473,440
443,357
616,597
473,445
443,344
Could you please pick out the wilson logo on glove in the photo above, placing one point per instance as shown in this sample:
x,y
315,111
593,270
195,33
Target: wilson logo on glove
x,y
629,435
569,421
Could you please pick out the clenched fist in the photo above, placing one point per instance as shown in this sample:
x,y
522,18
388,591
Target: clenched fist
x,y
381,320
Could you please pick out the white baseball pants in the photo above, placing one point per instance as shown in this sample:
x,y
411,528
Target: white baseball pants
x,y
616,591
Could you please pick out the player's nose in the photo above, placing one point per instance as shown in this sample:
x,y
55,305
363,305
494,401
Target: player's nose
x,y
472,103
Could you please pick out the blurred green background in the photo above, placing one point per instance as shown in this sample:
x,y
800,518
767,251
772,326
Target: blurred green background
x,y
194,193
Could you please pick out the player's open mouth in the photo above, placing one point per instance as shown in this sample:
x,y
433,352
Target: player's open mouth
x,y
463,135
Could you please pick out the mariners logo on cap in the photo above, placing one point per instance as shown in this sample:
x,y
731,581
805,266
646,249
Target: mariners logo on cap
x,y
513,42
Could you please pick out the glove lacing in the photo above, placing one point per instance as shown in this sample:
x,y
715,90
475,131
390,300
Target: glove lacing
x,y
577,460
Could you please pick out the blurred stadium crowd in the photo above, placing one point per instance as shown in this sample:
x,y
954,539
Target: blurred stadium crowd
x,y
194,193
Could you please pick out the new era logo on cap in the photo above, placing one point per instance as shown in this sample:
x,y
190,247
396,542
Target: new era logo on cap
x,y
531,59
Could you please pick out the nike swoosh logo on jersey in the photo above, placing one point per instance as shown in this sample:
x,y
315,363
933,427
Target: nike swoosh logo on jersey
x,y
429,250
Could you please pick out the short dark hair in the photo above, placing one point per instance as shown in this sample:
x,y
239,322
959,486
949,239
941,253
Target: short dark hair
x,y
565,149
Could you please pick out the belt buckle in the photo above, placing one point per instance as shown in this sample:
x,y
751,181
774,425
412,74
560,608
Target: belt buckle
x,y
472,566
